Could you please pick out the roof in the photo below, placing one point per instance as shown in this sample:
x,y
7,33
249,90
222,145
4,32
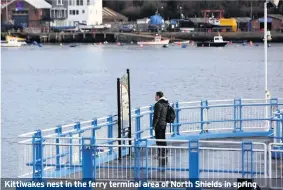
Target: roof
x,y
243,19
110,14
276,16
39,4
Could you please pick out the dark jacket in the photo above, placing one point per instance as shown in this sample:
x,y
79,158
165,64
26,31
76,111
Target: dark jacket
x,y
159,115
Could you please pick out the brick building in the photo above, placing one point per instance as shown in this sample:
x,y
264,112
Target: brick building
x,y
29,13
274,23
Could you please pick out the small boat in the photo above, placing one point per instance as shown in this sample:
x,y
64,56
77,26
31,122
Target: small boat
x,y
157,41
217,42
73,45
183,42
11,42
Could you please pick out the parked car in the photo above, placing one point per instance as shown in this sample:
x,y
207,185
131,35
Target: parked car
x,y
156,28
8,26
127,28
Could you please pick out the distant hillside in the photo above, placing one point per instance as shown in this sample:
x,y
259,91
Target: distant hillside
x,y
135,9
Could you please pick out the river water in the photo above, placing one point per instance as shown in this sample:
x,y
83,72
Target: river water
x,y
52,85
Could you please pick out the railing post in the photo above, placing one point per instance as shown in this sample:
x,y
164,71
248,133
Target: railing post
x,y
110,132
150,121
237,115
203,115
247,147
37,155
88,162
177,118
194,162
93,135
273,108
138,124
77,127
59,132
137,160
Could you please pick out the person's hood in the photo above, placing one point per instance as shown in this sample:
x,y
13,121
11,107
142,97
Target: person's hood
x,y
163,100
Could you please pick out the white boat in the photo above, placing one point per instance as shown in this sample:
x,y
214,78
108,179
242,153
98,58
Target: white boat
x,y
11,42
157,41
182,42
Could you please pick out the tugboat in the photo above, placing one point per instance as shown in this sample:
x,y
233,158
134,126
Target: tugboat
x,y
217,42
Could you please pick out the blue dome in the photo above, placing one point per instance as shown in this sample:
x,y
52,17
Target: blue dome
x,y
155,19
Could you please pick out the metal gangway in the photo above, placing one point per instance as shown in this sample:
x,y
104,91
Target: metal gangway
x,y
90,149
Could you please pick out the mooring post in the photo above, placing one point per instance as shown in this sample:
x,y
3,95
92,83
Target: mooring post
x,y
193,163
58,130
37,155
237,115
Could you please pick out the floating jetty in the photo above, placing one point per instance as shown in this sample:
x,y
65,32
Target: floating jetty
x,y
91,149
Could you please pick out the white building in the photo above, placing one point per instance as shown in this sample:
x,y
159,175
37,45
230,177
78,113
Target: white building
x,y
88,12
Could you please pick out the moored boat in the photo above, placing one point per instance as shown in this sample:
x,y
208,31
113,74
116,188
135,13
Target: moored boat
x,y
11,42
157,41
217,42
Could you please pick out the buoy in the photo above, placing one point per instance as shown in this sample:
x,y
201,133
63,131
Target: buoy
x,y
61,44
193,42
184,45
100,43
132,42
118,44
141,45
251,43
179,43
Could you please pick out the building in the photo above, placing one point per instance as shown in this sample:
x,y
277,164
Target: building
x,y
274,22
110,15
29,13
74,12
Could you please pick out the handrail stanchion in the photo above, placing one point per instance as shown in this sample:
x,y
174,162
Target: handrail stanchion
x,y
177,109
237,115
137,160
93,135
58,156
37,155
193,161
273,108
110,132
203,114
77,127
150,121
247,147
138,124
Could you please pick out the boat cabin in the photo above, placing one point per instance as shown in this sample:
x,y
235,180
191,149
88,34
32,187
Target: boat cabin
x,y
218,39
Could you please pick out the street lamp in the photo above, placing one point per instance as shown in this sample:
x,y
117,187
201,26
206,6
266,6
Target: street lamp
x,y
266,35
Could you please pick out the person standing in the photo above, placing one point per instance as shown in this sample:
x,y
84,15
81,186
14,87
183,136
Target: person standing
x,y
159,122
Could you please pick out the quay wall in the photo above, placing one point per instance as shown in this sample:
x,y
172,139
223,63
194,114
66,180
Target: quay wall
x,y
79,37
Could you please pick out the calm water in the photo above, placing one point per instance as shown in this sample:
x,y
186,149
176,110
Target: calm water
x,y
52,85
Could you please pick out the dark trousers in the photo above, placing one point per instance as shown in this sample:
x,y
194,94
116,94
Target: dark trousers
x,y
160,134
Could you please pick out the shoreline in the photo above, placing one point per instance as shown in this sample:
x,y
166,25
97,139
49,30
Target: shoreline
x,y
112,37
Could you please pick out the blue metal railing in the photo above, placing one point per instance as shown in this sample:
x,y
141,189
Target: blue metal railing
x,y
236,116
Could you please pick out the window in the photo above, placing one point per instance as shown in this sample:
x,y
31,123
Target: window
x,y
70,2
59,2
78,2
83,11
70,12
88,2
81,2
74,12
77,12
